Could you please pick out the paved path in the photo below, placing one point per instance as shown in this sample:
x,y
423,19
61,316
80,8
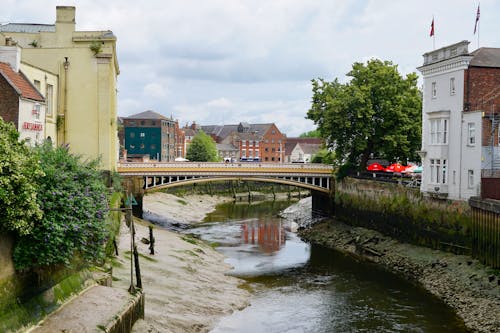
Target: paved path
x,y
89,312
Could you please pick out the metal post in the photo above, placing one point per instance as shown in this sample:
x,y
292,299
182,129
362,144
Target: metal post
x,y
130,222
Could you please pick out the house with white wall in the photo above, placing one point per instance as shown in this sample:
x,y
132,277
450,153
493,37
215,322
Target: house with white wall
x,y
458,89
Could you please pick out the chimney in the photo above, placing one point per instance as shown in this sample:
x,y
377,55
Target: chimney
x,y
11,55
65,18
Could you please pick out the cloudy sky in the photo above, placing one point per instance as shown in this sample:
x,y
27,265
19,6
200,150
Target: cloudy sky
x,y
226,61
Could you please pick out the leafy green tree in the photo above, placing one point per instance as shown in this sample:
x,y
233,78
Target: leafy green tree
x,y
72,196
378,112
311,134
323,156
202,149
18,191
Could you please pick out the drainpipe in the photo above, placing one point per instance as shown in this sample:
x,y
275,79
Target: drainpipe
x,y
65,124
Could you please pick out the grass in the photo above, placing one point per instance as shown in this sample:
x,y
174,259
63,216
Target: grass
x,y
190,239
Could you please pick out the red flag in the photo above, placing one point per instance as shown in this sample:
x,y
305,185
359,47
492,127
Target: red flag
x,y
477,20
432,28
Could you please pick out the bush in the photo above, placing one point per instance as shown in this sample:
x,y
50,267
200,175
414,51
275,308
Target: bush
x,y
73,199
18,191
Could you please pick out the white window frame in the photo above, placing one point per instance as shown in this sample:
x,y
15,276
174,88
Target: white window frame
x,y
433,89
439,131
470,178
50,99
471,134
439,173
452,86
499,134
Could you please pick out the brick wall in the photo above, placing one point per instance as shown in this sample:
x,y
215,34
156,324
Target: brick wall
x,y
482,92
482,88
9,103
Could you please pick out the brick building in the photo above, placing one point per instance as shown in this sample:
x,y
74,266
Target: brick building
x,y
150,136
254,142
21,104
460,122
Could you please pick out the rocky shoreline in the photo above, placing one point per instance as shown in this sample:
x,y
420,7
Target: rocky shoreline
x,y
468,287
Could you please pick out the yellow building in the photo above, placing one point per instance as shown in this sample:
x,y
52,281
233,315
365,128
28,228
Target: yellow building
x,y
85,108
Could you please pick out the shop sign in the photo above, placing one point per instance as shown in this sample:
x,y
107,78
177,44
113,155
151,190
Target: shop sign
x,y
32,126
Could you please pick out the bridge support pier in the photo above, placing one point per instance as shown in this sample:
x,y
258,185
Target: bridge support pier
x,y
322,204
135,186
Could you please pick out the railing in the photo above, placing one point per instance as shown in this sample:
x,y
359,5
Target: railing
x,y
304,167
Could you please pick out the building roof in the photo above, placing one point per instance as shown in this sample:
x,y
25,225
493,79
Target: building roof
x,y
310,148
293,141
148,115
225,147
486,57
223,131
188,131
20,83
27,27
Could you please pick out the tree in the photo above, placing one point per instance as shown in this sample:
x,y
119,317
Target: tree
x,y
202,149
377,113
18,191
311,134
73,198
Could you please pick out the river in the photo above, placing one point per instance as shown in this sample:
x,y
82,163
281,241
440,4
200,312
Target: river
x,y
298,287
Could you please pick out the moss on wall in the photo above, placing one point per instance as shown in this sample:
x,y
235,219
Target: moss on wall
x,y
403,213
22,313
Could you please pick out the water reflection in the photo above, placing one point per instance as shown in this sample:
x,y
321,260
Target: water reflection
x,y
269,235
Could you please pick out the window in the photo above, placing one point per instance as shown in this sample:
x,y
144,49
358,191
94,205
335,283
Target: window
x,y
142,134
438,171
266,149
272,158
499,134
434,90
470,178
36,111
244,143
272,140
439,131
37,84
143,122
49,99
452,86
471,134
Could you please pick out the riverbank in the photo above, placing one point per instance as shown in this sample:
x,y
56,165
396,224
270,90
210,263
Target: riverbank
x,y
185,282
462,283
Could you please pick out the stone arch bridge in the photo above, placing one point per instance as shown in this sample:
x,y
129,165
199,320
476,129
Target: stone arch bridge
x,y
143,177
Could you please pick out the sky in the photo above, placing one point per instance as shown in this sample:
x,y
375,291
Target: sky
x,y
227,61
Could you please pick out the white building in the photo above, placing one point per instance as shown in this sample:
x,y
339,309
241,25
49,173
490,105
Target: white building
x,y
455,96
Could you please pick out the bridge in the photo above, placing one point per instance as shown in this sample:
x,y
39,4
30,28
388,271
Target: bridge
x,y
143,177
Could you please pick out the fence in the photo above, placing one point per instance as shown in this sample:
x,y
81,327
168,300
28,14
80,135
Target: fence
x,y
486,231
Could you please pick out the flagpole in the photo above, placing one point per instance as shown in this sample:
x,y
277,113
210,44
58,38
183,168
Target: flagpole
x,y
478,29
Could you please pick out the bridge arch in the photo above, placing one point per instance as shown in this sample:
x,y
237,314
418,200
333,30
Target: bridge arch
x,y
157,183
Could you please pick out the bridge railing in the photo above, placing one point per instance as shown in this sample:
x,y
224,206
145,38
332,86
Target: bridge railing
x,y
223,165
